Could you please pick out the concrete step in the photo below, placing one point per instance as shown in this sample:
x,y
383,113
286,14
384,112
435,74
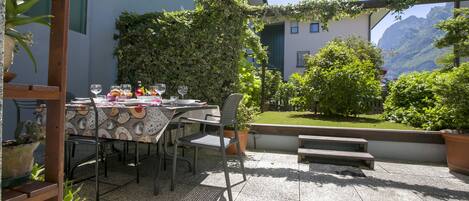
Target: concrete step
x,y
346,140
331,141
333,154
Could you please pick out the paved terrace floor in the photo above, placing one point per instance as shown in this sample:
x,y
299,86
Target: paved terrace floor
x,y
278,176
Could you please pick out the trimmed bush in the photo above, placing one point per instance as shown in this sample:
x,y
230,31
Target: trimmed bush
x,y
410,97
341,82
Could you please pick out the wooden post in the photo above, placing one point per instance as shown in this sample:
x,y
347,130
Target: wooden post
x,y
57,76
2,39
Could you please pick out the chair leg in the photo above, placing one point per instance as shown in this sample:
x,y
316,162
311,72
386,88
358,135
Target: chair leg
x,y
125,147
241,161
149,149
196,153
104,159
225,165
96,171
227,175
73,150
67,159
164,151
137,161
183,135
173,176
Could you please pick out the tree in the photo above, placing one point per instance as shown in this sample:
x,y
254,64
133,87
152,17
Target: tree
x,y
341,82
457,32
365,50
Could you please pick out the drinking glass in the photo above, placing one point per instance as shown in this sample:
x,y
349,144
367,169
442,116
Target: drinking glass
x,y
153,90
160,89
127,88
96,89
182,90
115,87
173,100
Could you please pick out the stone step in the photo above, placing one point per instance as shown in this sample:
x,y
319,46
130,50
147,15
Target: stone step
x,y
333,154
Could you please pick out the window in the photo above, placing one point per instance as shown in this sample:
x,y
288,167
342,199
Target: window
x,y
294,28
78,13
300,58
314,28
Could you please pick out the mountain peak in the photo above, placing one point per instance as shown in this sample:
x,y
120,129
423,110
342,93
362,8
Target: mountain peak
x,y
408,44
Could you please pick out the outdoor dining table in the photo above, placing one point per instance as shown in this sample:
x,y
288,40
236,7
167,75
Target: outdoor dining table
x,y
131,123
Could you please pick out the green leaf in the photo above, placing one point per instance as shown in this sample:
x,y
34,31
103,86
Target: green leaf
x,y
25,6
18,21
21,40
10,9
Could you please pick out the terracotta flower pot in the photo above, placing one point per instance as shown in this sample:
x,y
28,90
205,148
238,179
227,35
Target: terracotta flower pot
x,y
243,140
8,76
17,163
457,151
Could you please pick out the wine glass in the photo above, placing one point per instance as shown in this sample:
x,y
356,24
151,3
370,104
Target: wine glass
x,y
115,87
153,90
96,89
182,90
160,89
127,89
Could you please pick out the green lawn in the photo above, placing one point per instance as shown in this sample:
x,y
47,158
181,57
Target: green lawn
x,y
310,119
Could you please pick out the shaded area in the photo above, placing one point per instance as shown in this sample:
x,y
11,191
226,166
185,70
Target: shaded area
x,y
276,176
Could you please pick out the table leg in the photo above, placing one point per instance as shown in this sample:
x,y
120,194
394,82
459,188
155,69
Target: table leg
x,y
156,177
137,161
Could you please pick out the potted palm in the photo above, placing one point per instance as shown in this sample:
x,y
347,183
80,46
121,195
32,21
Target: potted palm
x,y
244,116
18,154
14,17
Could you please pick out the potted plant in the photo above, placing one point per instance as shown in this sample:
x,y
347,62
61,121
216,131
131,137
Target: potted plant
x,y
454,91
245,116
14,17
18,154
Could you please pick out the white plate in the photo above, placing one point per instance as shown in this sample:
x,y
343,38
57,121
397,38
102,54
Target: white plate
x,y
187,101
146,97
81,101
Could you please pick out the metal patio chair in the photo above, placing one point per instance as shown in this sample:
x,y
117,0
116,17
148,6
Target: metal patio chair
x,y
217,142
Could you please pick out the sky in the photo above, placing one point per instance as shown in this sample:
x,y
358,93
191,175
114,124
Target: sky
x,y
378,30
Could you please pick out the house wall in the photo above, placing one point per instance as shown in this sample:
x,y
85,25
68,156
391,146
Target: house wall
x,y
306,41
90,55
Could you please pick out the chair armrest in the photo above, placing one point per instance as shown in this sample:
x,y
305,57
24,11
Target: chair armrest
x,y
202,121
211,115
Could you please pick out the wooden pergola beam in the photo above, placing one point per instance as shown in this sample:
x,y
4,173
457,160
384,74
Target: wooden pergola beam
x,y
384,3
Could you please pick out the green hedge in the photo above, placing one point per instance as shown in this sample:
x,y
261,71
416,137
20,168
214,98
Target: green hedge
x,y
199,48
434,101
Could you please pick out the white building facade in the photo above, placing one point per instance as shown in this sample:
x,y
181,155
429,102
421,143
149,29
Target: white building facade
x,y
304,38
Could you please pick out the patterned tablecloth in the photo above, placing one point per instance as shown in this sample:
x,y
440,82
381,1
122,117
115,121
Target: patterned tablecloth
x,y
132,123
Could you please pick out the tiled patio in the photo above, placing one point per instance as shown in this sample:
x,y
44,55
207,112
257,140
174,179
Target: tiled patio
x,y
278,176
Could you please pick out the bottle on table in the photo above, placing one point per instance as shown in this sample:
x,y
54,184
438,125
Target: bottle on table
x,y
140,90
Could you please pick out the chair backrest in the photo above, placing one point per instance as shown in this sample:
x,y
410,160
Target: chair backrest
x,y
230,108
29,105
